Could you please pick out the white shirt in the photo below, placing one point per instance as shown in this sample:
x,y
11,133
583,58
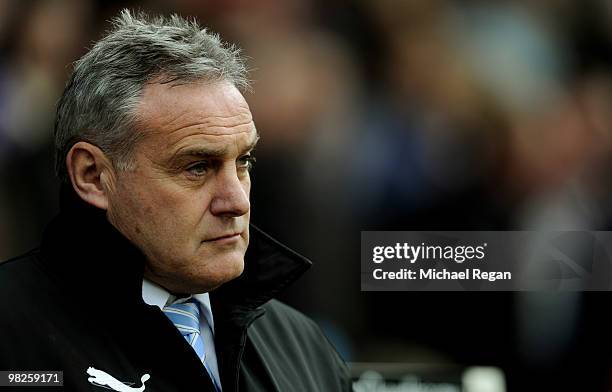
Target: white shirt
x,y
154,294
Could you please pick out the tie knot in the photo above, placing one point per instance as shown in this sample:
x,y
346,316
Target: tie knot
x,y
185,316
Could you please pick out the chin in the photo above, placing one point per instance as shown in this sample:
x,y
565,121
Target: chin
x,y
223,271
192,276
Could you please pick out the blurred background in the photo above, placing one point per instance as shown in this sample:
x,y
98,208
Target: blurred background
x,y
382,115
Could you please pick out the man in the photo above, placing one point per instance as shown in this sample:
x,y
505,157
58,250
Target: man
x,y
141,282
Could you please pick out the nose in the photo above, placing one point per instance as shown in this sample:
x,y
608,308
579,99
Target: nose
x,y
231,197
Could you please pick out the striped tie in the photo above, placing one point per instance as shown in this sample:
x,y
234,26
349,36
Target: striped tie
x,y
186,318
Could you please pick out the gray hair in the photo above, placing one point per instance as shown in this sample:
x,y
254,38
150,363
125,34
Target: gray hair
x,y
100,98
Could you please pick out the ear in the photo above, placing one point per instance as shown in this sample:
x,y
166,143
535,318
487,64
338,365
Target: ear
x,y
91,173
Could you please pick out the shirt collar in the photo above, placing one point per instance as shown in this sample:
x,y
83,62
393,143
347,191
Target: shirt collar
x,y
155,295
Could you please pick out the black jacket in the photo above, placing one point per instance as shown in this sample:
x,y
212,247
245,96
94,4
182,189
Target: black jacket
x,y
62,310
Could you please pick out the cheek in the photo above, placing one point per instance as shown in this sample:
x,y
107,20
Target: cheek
x,y
171,213
159,213
162,227
151,210
133,215
179,220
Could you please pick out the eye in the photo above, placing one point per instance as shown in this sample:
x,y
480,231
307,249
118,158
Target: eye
x,y
199,169
246,162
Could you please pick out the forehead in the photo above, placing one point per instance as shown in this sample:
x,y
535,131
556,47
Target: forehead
x,y
171,115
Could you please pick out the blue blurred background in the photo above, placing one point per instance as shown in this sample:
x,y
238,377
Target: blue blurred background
x,y
381,115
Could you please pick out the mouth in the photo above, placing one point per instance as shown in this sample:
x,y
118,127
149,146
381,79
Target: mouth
x,y
230,237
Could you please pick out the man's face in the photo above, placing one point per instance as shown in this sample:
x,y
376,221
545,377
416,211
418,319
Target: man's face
x,y
186,203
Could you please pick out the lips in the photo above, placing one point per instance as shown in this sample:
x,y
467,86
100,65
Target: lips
x,y
223,237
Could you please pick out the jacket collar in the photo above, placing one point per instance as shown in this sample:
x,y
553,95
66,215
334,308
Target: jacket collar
x,y
81,248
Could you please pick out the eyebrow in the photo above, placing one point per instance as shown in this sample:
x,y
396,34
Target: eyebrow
x,y
212,153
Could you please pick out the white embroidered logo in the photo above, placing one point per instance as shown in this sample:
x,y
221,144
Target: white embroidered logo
x,y
105,380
